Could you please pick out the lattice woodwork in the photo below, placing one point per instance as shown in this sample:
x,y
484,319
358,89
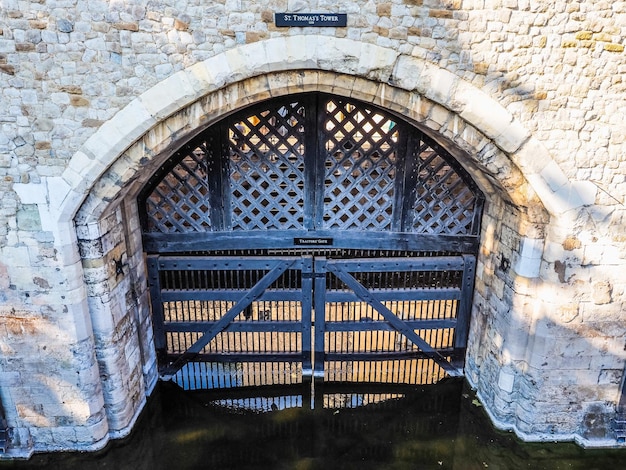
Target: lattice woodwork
x,y
267,169
360,167
179,203
444,203
299,164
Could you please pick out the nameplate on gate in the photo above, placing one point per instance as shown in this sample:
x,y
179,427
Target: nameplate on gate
x,y
313,241
285,20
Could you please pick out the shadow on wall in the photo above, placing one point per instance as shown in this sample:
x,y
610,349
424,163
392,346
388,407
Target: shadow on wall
x,y
555,355
551,347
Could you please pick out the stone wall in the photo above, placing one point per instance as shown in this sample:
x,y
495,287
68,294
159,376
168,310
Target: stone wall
x,y
527,94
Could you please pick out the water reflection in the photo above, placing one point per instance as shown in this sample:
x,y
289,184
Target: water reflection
x,y
438,426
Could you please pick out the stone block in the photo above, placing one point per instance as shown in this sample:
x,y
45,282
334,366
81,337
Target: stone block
x,y
481,111
610,377
200,78
440,86
162,100
528,262
599,253
47,218
503,408
506,380
597,421
568,198
7,45
248,60
554,176
33,193
341,54
296,52
14,256
583,193
407,72
101,317
28,218
67,253
376,63
533,157
65,437
58,191
81,325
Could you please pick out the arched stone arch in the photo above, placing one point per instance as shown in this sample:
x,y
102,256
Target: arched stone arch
x,y
513,170
435,97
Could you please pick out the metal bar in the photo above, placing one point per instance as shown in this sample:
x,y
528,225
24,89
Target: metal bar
x,y
445,293
439,263
226,263
210,333
172,295
398,324
241,357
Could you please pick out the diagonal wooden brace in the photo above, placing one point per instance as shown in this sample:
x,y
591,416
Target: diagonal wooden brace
x,y
394,321
208,335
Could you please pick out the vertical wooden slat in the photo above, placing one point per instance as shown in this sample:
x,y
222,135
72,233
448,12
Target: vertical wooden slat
x,y
465,309
320,316
154,281
306,305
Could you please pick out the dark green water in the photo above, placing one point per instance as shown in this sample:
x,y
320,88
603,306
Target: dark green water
x,y
433,427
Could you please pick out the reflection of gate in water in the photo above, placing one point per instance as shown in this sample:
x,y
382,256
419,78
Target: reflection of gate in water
x,y
227,322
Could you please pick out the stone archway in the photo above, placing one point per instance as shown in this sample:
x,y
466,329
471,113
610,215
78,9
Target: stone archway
x,y
98,188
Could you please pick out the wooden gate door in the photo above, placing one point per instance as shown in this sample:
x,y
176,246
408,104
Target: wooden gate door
x,y
302,197
344,320
225,310
392,320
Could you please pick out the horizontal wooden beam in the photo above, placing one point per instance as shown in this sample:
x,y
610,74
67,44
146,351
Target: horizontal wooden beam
x,y
285,239
235,326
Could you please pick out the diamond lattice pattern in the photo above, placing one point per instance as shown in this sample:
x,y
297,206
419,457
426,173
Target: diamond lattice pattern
x,y
263,166
267,169
443,202
360,167
179,203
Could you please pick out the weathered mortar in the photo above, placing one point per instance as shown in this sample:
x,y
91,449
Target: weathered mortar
x,y
546,351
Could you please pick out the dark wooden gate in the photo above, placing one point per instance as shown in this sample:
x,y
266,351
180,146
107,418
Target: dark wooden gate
x,y
308,197
230,310
387,320
391,311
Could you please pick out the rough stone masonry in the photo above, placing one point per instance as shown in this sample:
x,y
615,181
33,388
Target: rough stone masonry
x,y
529,94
